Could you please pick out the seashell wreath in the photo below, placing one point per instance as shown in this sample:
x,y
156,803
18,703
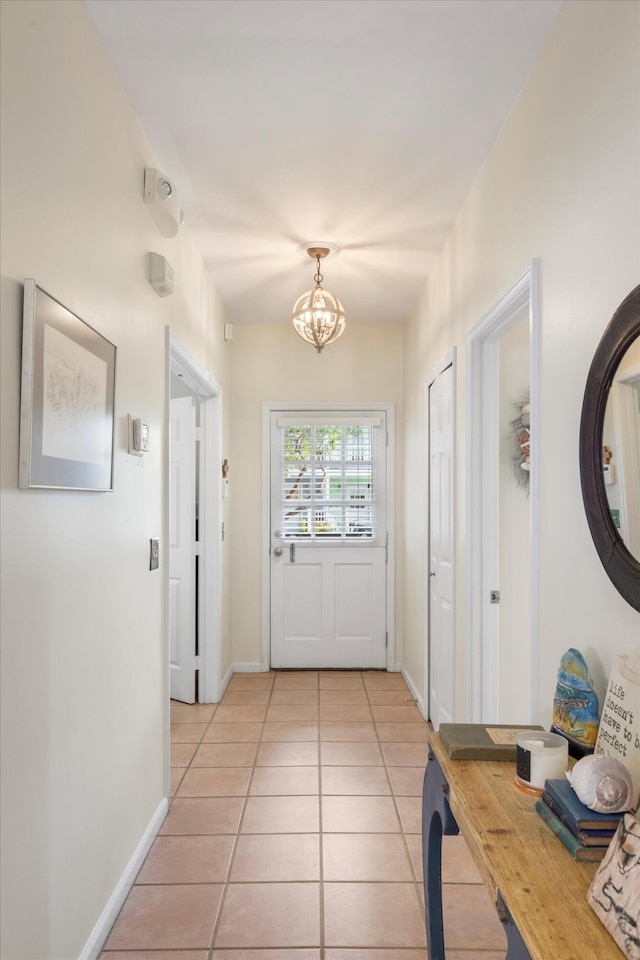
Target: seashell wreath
x,y
602,783
521,442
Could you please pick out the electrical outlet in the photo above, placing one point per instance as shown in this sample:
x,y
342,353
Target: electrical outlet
x,y
154,553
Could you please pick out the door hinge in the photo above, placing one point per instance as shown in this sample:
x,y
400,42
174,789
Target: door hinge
x,y
197,662
386,639
196,548
494,596
198,434
386,549
222,531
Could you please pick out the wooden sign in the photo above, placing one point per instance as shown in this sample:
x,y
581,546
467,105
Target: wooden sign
x,y
614,894
619,731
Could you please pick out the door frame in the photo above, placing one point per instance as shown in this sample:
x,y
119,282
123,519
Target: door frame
x,y
482,497
180,361
181,562
271,407
449,360
625,434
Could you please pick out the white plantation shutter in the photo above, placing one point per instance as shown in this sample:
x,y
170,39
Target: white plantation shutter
x,y
328,478
335,421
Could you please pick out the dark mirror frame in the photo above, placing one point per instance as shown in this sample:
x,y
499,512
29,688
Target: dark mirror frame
x,y
621,566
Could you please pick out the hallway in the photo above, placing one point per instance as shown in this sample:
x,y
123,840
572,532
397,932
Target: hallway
x,y
294,832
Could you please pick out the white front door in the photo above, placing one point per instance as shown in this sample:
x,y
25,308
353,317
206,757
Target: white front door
x,y
182,537
440,590
328,540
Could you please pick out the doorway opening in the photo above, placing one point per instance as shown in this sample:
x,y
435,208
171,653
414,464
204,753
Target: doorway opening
x,y
193,525
440,659
502,512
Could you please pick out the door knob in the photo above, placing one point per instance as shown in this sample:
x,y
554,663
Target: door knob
x,y
277,552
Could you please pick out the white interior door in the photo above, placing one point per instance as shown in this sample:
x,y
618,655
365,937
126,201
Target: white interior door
x,y
441,543
182,537
328,540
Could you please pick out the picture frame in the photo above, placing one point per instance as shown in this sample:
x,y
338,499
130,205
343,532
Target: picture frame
x,y
67,398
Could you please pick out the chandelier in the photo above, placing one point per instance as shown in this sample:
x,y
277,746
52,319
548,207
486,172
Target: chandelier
x,y
318,316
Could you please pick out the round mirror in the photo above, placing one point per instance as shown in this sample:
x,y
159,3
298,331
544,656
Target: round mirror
x,y
610,449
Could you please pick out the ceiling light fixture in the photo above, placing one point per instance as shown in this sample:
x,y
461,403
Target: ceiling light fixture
x,y
318,316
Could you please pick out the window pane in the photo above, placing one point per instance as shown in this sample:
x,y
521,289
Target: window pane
x,y
297,443
336,487
297,483
328,522
328,482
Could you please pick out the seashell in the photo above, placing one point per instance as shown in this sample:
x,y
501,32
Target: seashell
x,y
602,783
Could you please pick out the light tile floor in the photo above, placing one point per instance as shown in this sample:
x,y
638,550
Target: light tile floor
x,y
294,832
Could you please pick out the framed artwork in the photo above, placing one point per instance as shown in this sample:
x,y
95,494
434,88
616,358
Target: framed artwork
x,y
67,398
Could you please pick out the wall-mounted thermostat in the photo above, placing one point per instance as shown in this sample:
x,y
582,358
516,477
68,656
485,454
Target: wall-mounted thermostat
x,y
160,274
139,439
609,472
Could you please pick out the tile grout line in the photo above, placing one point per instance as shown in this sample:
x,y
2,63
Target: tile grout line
x,y
320,835
415,883
174,793
171,798
233,847
227,881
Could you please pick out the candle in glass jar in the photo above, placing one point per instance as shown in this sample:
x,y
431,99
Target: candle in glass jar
x,y
540,756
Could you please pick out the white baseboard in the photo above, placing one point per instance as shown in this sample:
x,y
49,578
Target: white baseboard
x,y
224,683
414,693
94,944
249,668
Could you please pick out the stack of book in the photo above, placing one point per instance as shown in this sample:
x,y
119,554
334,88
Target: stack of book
x,y
585,833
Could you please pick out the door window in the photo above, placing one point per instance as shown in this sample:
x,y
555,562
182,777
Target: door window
x,y
329,479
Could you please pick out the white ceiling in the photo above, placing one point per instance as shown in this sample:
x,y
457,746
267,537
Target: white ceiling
x,y
359,122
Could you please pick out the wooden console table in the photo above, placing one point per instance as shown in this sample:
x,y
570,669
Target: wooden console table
x,y
538,889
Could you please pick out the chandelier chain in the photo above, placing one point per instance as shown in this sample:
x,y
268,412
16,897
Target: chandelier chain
x,y
318,277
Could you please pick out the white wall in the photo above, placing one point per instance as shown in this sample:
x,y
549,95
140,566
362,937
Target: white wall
x,y
560,184
84,658
271,363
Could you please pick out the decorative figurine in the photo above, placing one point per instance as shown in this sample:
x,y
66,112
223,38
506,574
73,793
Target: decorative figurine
x,y
575,705
521,442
